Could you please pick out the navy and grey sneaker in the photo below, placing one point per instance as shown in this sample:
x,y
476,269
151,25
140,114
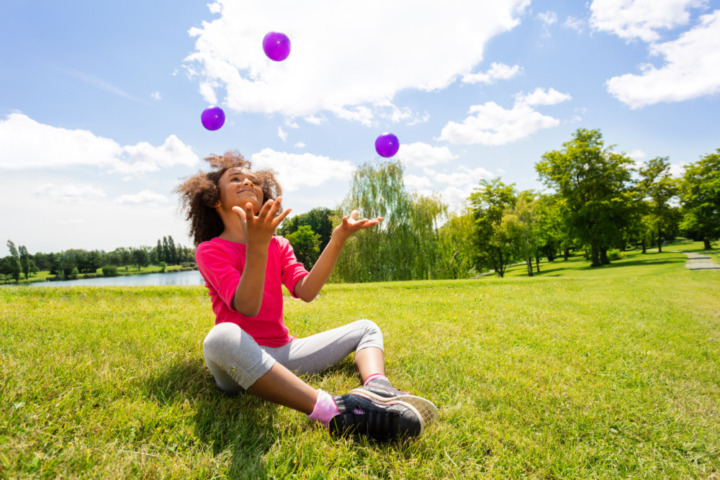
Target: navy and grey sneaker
x,y
383,391
380,420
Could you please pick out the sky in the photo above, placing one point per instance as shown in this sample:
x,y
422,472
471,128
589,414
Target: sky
x,y
100,102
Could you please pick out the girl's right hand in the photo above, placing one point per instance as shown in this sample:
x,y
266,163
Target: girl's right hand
x,y
260,228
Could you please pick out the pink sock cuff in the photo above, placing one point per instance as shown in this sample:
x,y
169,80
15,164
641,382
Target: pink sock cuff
x,y
374,376
325,408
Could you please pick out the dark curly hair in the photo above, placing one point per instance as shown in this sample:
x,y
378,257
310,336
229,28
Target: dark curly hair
x,y
200,193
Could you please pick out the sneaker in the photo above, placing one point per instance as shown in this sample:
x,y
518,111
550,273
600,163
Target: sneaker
x,y
383,391
380,420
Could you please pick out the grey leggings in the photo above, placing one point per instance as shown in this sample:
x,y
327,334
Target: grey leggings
x,y
237,361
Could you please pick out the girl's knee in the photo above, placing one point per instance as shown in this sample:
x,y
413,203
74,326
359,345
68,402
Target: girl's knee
x,y
370,326
220,337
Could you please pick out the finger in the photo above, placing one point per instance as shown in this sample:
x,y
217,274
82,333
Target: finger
x,y
240,212
276,204
281,217
354,214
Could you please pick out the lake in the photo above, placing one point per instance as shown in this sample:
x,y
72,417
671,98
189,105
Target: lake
x,y
151,279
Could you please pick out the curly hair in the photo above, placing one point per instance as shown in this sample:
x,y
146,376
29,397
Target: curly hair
x,y
200,193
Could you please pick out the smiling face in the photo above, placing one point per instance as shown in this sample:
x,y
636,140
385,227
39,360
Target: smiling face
x,y
238,186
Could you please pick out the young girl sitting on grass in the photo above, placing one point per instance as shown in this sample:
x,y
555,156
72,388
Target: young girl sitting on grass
x,y
233,213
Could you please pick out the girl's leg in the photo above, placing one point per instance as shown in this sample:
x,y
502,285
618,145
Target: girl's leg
x,y
238,363
370,361
316,353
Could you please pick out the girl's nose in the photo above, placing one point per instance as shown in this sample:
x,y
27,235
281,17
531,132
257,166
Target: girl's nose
x,y
247,181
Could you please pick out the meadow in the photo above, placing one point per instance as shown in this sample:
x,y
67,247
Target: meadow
x,y
610,372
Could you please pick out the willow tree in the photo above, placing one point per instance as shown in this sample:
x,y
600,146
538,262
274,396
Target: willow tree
x,y
402,247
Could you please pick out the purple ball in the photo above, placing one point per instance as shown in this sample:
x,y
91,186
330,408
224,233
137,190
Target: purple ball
x,y
276,46
387,145
213,118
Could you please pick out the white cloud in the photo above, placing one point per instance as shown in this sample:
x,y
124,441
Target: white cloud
x,y
548,18
497,71
574,24
27,144
416,182
677,170
296,171
543,97
146,198
69,193
691,69
637,155
156,96
282,134
420,154
349,57
454,187
491,124
143,157
300,145
630,19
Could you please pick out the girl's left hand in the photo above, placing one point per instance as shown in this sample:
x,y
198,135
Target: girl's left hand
x,y
350,224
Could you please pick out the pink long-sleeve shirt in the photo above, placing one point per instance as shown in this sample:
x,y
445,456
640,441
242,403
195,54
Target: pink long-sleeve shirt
x,y
221,263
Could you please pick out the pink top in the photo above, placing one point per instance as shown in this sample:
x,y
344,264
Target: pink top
x,y
221,263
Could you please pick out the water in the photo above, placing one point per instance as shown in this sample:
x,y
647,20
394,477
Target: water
x,y
176,278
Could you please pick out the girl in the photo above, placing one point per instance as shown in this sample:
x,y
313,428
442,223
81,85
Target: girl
x,y
233,214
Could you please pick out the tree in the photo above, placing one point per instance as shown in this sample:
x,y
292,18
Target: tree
x,y
658,188
594,182
318,219
306,245
15,263
524,227
492,232
24,261
141,257
700,192
396,249
456,252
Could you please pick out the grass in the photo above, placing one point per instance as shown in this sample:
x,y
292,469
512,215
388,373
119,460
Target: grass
x,y
611,372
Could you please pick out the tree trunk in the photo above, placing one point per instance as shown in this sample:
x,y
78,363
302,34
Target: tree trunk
x,y
644,245
566,253
595,256
659,240
537,262
706,242
528,261
603,256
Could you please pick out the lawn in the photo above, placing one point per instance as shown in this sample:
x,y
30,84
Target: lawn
x,y
577,372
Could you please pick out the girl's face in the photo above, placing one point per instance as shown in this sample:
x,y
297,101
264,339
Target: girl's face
x,y
238,186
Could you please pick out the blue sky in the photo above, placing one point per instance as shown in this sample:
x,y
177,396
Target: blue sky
x,y
100,102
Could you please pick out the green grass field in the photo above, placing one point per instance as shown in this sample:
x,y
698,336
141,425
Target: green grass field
x,y
581,373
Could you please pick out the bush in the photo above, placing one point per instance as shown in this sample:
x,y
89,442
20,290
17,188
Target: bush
x,y
110,271
614,254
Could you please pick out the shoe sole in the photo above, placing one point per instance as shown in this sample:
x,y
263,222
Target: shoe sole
x,y
426,410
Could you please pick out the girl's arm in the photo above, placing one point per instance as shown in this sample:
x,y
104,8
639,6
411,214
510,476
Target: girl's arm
x,y
258,233
308,287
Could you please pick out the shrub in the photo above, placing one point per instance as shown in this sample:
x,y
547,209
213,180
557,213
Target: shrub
x,y
614,254
110,271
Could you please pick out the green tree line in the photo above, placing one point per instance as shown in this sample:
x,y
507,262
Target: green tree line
x,y
71,263
597,202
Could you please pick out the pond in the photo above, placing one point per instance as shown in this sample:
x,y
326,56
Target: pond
x,y
151,279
